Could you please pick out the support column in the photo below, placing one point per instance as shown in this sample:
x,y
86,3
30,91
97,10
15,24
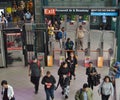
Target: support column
x,y
118,40
38,11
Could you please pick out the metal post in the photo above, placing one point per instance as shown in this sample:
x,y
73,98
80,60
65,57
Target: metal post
x,y
118,40
76,38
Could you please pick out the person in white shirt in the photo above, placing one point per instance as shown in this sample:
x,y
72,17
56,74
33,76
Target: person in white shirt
x,y
80,33
7,91
106,88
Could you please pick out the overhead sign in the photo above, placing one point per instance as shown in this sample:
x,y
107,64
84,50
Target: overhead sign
x,y
89,11
72,10
50,11
104,12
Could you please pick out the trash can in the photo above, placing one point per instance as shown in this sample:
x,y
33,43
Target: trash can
x,y
100,62
49,61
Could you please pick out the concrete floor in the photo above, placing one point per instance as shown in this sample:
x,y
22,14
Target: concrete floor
x,y
19,79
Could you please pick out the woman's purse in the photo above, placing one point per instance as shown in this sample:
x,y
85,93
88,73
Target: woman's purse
x,y
13,98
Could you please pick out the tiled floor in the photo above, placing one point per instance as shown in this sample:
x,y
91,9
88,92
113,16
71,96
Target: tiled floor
x,y
19,79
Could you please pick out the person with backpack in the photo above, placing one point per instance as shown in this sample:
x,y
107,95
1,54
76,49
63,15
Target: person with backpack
x,y
84,93
69,46
64,79
49,84
62,35
80,33
35,71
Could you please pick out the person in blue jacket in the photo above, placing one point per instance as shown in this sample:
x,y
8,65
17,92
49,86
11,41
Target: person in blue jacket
x,y
62,35
117,69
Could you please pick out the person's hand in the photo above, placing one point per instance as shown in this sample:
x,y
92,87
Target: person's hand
x,y
94,73
29,74
99,94
64,76
68,60
42,74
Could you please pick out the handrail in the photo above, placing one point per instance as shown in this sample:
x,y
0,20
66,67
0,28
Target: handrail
x,y
58,50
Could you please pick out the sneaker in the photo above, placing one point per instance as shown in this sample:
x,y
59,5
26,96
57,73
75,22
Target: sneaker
x,y
36,92
66,97
52,98
82,49
62,92
74,78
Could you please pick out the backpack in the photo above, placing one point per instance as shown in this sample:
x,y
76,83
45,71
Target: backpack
x,y
70,45
59,35
38,63
77,95
80,33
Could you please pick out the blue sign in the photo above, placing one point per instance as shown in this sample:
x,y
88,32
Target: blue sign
x,y
104,13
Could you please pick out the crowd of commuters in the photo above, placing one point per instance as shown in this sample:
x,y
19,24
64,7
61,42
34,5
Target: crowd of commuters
x,y
66,71
60,35
21,11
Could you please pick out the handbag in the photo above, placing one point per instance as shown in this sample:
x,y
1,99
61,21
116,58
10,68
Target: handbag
x,y
13,98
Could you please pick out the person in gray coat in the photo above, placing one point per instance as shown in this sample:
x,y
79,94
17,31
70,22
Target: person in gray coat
x,y
106,88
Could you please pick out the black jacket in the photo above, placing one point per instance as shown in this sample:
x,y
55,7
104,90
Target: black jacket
x,y
64,81
47,79
63,71
72,62
90,70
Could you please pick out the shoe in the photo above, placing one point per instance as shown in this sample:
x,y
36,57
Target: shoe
x,y
82,49
74,78
66,97
36,92
62,93
52,98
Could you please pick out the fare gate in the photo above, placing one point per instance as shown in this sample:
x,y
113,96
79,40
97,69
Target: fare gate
x,y
36,41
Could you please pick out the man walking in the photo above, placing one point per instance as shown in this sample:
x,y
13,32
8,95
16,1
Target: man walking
x,y
48,81
62,35
91,72
35,70
84,93
80,33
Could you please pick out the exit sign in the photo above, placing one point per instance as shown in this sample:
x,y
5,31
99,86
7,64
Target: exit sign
x,y
50,11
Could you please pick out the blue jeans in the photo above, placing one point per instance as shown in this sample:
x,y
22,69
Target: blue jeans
x,y
49,93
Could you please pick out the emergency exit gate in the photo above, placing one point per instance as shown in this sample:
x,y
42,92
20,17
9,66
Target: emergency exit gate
x,y
36,41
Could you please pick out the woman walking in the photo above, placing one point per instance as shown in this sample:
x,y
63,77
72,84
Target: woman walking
x,y
106,88
72,63
64,78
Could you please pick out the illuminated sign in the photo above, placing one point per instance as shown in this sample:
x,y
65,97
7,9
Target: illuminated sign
x,y
50,11
104,12
89,11
72,10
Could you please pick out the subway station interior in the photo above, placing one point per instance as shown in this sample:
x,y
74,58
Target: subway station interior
x,y
21,39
